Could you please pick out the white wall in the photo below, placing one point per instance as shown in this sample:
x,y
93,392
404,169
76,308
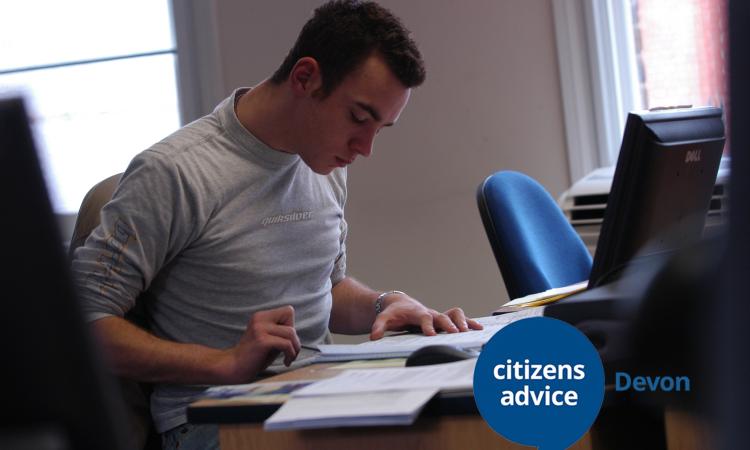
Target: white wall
x,y
491,101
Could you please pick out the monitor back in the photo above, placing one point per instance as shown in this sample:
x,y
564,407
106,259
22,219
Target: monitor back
x,y
662,188
55,392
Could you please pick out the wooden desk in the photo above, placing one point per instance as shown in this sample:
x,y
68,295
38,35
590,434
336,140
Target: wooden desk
x,y
429,433
445,424
687,431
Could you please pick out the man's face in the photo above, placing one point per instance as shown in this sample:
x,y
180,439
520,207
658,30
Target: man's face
x,y
343,125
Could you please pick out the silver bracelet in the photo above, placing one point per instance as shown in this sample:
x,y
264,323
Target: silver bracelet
x,y
381,297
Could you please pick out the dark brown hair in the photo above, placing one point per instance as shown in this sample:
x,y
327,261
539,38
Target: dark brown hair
x,y
343,33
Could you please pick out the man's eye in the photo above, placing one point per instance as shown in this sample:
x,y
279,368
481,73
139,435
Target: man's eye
x,y
356,119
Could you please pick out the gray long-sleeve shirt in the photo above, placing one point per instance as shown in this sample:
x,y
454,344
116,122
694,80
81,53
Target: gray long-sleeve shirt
x,y
214,226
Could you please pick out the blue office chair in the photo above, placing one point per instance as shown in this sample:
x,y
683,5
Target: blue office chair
x,y
535,246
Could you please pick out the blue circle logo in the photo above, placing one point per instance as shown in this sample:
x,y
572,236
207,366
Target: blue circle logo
x,y
539,382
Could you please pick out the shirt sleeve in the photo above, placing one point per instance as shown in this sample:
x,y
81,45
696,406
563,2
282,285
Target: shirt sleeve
x,y
339,267
142,228
338,183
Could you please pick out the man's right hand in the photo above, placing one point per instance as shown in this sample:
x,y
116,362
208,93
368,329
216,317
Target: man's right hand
x,y
139,355
268,333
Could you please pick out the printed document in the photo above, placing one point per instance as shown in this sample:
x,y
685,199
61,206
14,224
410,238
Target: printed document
x,y
402,345
454,376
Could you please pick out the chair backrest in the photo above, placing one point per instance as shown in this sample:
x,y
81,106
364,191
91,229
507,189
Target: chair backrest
x,y
135,395
535,246
88,214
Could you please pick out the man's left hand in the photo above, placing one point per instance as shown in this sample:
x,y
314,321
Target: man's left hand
x,y
401,311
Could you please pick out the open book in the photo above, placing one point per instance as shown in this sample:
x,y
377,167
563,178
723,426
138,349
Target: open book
x,y
402,345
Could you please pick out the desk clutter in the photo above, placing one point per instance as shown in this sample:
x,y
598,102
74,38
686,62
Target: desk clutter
x,y
372,389
353,397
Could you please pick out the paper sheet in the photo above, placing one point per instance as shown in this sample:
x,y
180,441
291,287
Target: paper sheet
x,y
379,408
549,295
453,376
263,392
370,364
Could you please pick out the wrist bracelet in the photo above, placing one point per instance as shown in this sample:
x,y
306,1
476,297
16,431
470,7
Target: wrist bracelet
x,y
381,297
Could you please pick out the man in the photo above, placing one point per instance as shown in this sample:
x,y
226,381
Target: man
x,y
231,230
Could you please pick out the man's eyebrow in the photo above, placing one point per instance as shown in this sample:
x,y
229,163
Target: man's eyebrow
x,y
373,112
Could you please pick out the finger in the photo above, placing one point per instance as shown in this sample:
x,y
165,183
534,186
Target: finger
x,y
426,323
378,329
283,345
270,358
474,325
445,323
458,318
288,333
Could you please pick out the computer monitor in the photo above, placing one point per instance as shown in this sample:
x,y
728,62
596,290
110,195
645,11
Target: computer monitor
x,y
55,394
662,187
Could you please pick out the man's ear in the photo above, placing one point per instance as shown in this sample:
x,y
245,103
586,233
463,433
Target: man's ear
x,y
305,77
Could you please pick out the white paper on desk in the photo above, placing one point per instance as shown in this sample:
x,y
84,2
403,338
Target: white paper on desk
x,y
404,344
377,408
455,376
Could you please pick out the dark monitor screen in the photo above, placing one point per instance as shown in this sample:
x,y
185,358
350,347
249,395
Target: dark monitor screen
x,y
662,187
54,393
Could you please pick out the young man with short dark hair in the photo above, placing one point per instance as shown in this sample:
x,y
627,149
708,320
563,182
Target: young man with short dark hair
x,y
233,227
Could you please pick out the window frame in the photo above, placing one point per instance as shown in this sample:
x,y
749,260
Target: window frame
x,y
598,78
198,71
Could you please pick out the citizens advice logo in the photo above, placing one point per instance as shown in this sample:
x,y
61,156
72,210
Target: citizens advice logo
x,y
539,382
290,217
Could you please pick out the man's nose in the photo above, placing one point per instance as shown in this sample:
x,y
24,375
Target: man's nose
x,y
363,144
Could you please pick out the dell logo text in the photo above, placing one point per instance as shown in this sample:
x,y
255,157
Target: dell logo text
x,y
693,156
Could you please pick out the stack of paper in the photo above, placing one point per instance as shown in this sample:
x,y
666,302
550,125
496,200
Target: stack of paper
x,y
387,396
392,396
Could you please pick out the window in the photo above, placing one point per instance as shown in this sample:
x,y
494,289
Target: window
x,y
99,79
616,56
682,52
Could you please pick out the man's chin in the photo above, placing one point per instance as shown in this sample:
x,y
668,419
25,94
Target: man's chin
x,y
324,170
322,167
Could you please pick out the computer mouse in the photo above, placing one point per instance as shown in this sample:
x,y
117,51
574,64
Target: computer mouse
x,y
437,354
